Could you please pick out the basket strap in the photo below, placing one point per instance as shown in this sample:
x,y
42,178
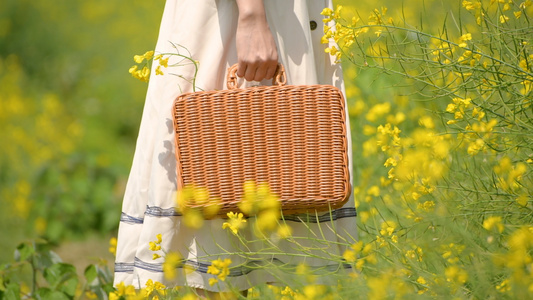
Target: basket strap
x,y
280,78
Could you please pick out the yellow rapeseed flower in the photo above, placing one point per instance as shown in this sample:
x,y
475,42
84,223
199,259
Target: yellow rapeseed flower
x,y
267,220
327,12
463,39
133,69
172,261
310,292
377,111
190,296
373,191
195,204
284,231
153,246
257,197
220,268
387,228
349,255
504,19
427,122
122,290
158,71
113,246
455,274
504,286
148,55
525,4
164,62
493,223
138,58
193,219
151,287
471,5
235,222
522,199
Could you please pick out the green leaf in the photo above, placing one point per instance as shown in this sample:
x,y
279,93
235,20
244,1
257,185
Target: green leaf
x,y
48,294
46,258
59,273
24,251
69,286
12,292
108,287
90,273
104,274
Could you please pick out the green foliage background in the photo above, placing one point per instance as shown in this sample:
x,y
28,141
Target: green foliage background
x,y
69,113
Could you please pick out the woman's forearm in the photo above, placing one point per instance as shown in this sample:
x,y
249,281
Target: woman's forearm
x,y
256,48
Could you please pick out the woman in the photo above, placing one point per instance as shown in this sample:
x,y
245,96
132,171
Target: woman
x,y
218,34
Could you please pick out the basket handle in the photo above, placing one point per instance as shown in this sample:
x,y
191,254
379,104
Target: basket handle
x,y
279,78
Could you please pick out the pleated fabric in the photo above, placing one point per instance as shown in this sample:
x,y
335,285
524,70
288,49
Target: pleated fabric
x,y
205,31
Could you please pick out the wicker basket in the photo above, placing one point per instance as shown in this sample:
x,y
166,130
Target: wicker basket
x,y
293,137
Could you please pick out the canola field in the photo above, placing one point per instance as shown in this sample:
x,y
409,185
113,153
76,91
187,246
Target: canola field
x,y
440,100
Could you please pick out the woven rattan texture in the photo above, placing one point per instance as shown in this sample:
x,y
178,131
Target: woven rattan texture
x,y
293,137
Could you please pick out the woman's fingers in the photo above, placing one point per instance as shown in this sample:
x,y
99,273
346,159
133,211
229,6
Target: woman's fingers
x,y
257,71
271,70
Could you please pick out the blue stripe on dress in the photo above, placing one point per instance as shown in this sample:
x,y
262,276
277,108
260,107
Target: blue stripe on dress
x,y
236,271
154,211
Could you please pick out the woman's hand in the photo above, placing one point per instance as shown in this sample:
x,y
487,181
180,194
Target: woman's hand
x,y
256,50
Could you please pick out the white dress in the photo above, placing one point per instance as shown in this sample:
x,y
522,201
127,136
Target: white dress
x,y
206,28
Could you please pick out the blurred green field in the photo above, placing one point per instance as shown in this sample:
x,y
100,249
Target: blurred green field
x,y
69,114
440,104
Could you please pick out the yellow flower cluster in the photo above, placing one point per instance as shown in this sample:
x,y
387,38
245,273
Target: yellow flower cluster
x,y
518,259
388,284
360,254
415,254
143,74
173,260
477,134
155,246
113,246
335,33
345,34
416,163
152,290
509,174
261,202
492,223
123,291
195,204
220,268
341,35
463,39
471,5
387,233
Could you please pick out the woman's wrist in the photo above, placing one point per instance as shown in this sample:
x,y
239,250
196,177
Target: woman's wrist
x,y
251,10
